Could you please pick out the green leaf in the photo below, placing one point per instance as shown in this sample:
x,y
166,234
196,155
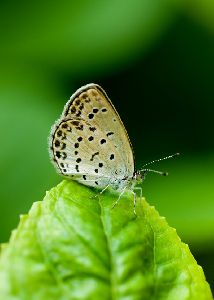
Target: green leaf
x,y
73,245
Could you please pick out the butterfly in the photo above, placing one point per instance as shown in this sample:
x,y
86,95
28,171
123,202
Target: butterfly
x,y
90,144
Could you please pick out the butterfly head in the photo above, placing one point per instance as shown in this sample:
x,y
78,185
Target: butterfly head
x,y
138,176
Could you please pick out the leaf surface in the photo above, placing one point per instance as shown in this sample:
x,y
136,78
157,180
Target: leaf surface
x,y
72,245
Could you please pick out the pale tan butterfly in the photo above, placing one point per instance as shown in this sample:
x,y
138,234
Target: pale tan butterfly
x,y
89,143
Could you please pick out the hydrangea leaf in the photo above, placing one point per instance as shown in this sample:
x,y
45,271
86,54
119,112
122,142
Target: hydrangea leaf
x,y
72,245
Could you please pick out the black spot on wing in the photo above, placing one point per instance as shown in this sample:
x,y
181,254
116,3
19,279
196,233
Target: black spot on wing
x,y
103,141
111,156
80,127
75,123
64,155
63,146
92,129
73,109
64,125
93,155
90,138
77,102
90,116
79,139
78,114
57,143
110,133
58,154
81,106
59,133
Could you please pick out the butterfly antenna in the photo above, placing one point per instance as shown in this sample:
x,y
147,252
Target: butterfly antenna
x,y
145,171
154,171
160,159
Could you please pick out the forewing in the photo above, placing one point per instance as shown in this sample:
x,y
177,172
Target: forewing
x,y
91,104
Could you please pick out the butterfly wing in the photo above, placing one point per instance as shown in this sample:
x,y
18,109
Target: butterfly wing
x,y
89,142
92,104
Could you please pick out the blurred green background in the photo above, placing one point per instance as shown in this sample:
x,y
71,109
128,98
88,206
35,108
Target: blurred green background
x,y
155,59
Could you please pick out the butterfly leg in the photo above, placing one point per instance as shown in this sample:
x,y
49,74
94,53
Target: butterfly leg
x,y
135,197
118,199
135,200
139,189
100,193
105,188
